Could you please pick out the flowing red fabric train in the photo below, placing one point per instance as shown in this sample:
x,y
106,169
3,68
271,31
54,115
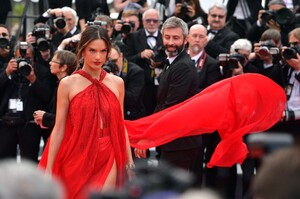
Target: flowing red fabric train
x,y
240,105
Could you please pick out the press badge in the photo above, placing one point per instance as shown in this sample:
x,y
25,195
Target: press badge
x,y
19,105
15,104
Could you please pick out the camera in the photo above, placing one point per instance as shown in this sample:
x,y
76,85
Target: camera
x,y
23,64
126,27
291,52
230,61
42,36
72,46
4,42
267,47
110,67
97,23
159,54
60,22
283,16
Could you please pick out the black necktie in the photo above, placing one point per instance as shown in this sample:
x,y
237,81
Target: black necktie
x,y
167,64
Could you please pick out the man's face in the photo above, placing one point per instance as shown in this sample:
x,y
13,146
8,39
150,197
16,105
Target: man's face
x,y
293,41
133,18
116,58
151,21
4,34
197,38
70,20
216,18
174,41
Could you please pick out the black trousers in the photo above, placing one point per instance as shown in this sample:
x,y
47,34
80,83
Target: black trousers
x,y
28,137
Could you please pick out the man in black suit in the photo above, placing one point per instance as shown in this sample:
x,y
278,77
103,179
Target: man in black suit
x,y
208,68
143,46
134,81
220,37
178,82
63,31
26,86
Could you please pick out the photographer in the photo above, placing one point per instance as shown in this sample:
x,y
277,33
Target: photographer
x,y
287,76
143,45
277,17
266,53
134,81
129,22
6,51
64,21
189,10
26,86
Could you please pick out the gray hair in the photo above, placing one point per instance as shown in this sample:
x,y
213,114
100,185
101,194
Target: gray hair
x,y
241,44
25,181
219,6
175,22
74,13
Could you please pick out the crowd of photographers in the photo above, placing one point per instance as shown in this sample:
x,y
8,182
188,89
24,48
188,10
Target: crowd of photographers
x,y
270,46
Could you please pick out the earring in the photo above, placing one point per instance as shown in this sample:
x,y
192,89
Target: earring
x,y
81,61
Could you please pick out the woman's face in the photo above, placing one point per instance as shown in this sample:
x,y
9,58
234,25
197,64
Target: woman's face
x,y
95,54
55,65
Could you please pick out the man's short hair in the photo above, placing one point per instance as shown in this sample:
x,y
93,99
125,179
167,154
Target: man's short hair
x,y
276,2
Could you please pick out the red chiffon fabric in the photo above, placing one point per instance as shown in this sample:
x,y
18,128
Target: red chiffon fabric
x,y
236,106
88,151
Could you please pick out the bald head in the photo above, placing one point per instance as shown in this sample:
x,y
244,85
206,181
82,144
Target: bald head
x,y
197,39
198,28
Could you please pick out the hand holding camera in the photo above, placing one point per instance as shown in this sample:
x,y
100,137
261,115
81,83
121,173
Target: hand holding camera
x,y
11,67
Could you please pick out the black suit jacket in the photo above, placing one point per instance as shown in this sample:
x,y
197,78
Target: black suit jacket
x,y
178,83
133,77
210,72
136,43
221,42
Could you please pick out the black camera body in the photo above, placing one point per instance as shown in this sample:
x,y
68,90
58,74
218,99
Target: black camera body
x,y
159,54
291,52
23,64
72,46
230,61
4,42
283,16
42,37
60,22
110,67
126,26
267,47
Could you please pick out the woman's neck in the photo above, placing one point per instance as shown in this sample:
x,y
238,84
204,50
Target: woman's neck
x,y
94,73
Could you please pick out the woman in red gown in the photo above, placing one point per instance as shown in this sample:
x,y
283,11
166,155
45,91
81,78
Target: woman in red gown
x,y
89,145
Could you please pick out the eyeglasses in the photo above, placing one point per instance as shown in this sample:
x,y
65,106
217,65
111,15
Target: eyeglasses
x,y
55,61
215,16
152,20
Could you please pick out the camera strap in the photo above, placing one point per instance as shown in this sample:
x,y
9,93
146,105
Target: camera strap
x,y
201,60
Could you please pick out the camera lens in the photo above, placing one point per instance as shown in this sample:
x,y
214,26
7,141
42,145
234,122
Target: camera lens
x,y
42,44
60,22
24,68
4,43
126,29
289,53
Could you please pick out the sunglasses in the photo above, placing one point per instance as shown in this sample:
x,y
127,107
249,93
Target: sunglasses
x,y
215,16
152,20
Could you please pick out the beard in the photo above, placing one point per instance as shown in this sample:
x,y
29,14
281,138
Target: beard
x,y
178,49
196,49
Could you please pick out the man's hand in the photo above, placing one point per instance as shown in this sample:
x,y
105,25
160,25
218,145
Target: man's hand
x,y
11,66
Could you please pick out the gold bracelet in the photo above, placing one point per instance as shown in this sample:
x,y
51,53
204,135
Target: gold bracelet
x,y
130,166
